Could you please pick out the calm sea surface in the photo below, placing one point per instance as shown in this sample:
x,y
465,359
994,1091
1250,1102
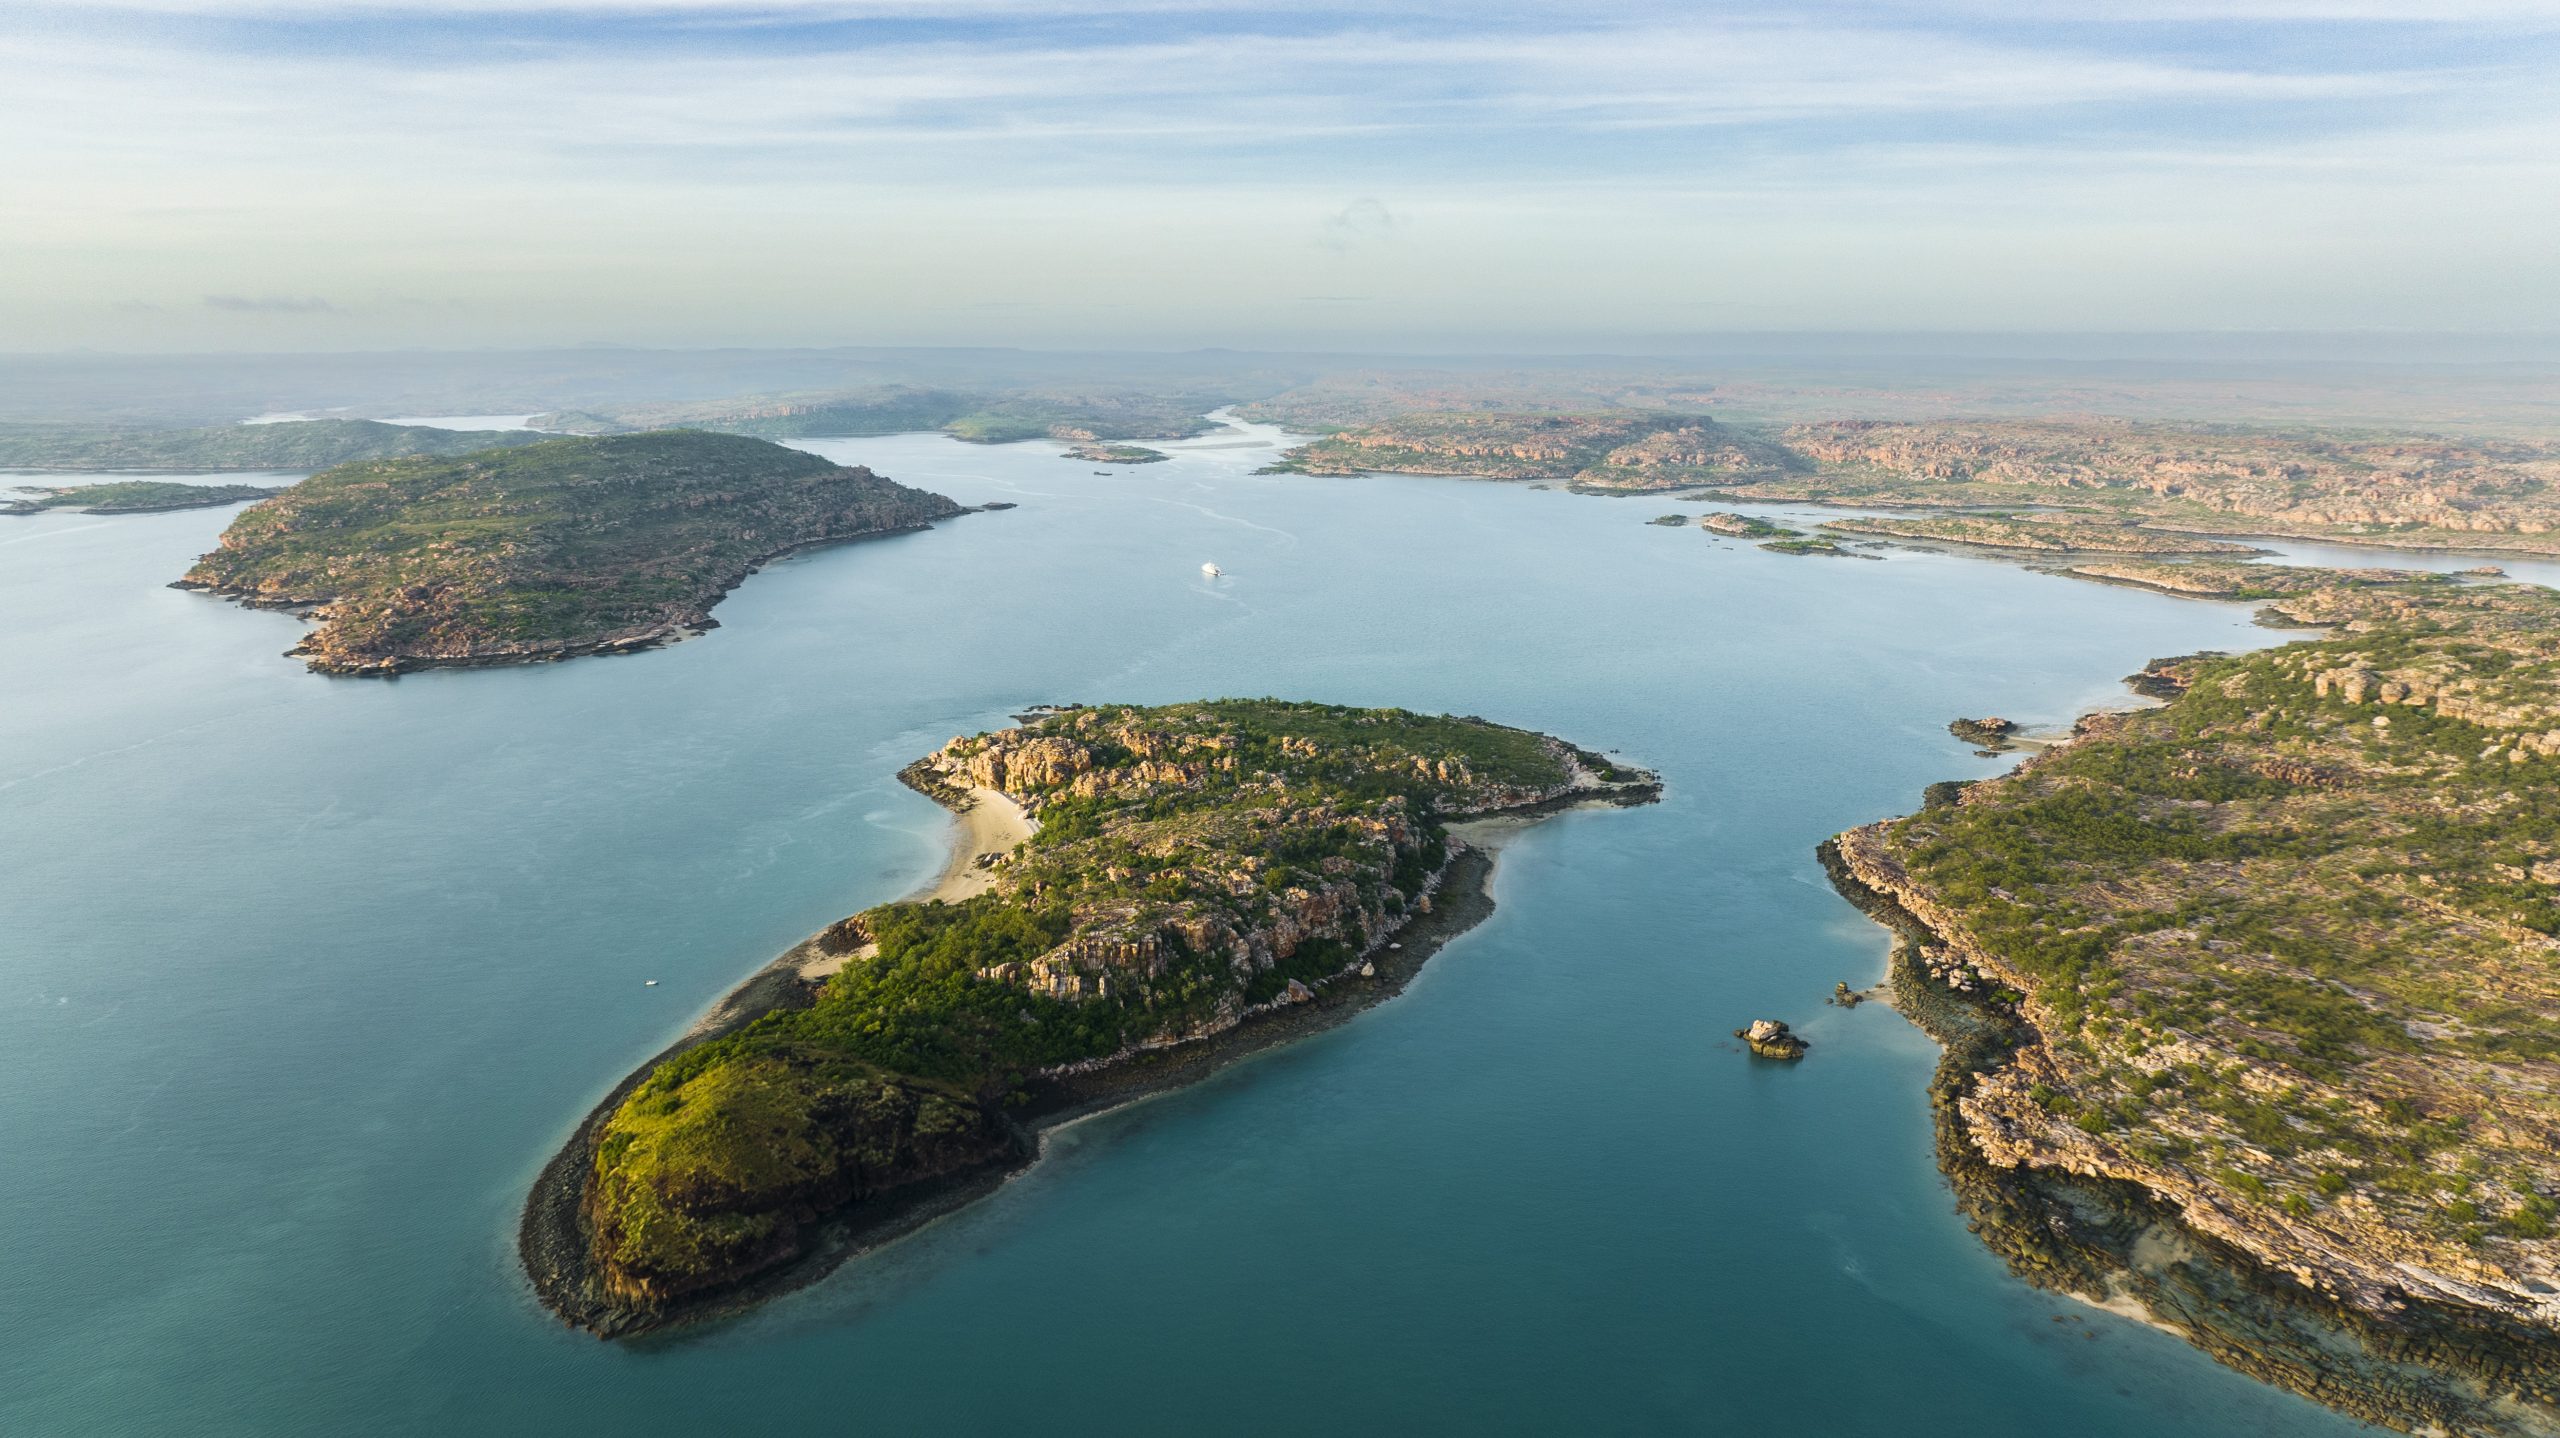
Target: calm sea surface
x,y
301,980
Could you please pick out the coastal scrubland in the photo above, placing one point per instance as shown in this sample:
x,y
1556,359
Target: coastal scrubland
x,y
563,547
2102,483
2282,959
1194,865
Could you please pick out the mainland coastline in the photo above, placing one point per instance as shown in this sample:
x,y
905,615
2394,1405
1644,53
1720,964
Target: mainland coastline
x,y
2262,1071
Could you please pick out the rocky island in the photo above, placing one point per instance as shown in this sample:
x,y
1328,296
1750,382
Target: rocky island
x,y
136,496
1095,451
1202,878
545,551
1625,453
2039,534
2252,1001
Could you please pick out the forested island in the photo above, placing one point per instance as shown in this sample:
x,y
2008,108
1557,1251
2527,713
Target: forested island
x,y
1201,877
288,445
544,551
2252,1001
135,496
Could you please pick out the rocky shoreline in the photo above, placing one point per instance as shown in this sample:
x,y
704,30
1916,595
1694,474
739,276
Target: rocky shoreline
x,y
555,1239
657,636
2421,1366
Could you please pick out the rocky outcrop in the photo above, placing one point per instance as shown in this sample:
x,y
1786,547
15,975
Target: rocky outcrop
x,y
1771,1039
2364,1339
1991,732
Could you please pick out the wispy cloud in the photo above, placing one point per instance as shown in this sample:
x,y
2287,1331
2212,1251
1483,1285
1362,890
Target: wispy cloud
x,y
256,151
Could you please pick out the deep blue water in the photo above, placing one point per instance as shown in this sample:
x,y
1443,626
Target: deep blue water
x,y
302,979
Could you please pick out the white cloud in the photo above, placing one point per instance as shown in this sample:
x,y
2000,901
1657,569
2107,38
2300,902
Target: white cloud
x,y
1591,168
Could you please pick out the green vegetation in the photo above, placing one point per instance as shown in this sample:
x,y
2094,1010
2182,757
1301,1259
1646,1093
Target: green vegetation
x,y
2291,936
1745,526
1192,862
563,547
137,496
292,445
1620,451
1810,544
2113,486
1097,452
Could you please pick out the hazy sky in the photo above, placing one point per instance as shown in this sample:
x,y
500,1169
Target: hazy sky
x,y
294,174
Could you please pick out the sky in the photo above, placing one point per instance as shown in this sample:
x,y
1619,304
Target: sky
x,y
296,175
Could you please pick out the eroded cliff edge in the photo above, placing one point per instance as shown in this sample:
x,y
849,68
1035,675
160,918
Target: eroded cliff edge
x,y
1206,879
2250,1004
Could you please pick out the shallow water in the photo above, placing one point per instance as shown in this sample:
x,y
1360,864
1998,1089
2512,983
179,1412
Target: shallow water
x,y
301,980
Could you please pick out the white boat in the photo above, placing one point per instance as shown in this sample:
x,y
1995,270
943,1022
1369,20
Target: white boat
x,y
1211,570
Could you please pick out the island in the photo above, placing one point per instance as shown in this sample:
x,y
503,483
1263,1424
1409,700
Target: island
x,y
1095,451
1745,526
136,496
1632,453
2251,1002
1076,414
2039,534
541,552
285,445
1141,894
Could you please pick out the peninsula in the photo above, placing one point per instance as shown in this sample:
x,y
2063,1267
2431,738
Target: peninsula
x,y
2106,483
540,552
1202,878
2250,1000
136,496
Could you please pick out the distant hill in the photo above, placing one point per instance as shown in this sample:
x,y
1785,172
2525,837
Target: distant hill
x,y
293,444
542,551
979,416
136,496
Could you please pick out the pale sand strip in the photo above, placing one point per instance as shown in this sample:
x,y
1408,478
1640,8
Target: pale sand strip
x,y
992,824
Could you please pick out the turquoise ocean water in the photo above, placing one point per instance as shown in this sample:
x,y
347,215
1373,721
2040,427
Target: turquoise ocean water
x,y
302,979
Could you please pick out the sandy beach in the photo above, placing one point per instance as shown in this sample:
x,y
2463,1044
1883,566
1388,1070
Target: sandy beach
x,y
992,824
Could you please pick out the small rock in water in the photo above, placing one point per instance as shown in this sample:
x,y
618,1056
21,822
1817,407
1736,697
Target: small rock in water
x,y
1770,1039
